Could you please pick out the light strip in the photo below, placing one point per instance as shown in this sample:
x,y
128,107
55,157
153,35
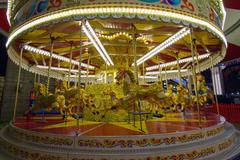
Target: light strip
x,y
184,60
179,35
224,13
9,11
148,77
55,56
61,69
97,43
108,10
85,76
164,72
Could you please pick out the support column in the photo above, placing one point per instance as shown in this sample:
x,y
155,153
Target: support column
x,y
88,62
190,82
135,56
18,82
49,66
105,75
166,81
160,70
143,68
179,71
70,65
79,78
193,43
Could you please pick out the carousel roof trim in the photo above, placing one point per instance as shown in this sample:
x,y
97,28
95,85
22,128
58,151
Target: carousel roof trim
x,y
55,56
71,12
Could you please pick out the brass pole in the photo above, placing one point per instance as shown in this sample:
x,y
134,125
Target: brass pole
x,y
190,85
179,72
194,76
135,71
70,65
79,77
39,77
86,83
35,79
58,67
215,94
18,82
75,80
166,78
160,70
127,62
160,74
135,55
49,66
197,59
106,77
143,73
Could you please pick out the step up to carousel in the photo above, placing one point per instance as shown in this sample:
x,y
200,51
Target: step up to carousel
x,y
55,140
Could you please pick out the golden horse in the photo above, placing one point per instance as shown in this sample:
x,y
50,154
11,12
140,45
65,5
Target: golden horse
x,y
153,94
64,99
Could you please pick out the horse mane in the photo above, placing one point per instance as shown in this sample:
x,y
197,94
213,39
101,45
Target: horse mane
x,y
131,76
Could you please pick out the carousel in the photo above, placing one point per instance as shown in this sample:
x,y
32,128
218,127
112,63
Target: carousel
x,y
117,80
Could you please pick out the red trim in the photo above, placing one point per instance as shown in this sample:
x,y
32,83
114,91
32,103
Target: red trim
x,y
233,4
4,23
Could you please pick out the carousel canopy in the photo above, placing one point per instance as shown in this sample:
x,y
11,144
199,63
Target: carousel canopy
x,y
113,34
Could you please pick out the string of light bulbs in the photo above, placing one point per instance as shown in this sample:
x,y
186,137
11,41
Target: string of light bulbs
x,y
173,63
61,69
88,30
55,56
166,72
171,40
142,38
119,10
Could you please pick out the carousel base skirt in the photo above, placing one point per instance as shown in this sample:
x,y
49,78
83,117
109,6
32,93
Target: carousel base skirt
x,y
174,136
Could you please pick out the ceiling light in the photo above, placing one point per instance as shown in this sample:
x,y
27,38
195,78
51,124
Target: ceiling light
x,y
55,56
165,72
84,76
61,69
179,35
97,43
184,60
148,77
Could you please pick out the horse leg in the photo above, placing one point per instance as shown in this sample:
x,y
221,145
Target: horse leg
x,y
182,106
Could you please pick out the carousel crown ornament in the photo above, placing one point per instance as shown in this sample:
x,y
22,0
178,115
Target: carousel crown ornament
x,y
113,62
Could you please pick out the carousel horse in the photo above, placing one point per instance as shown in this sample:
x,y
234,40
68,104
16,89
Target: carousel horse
x,y
133,92
181,98
64,99
106,103
73,100
204,93
48,102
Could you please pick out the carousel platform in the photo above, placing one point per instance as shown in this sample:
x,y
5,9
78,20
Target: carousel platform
x,y
175,136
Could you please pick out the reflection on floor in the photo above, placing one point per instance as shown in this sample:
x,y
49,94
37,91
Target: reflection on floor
x,y
172,122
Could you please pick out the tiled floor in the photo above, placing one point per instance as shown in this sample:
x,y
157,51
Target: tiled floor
x,y
173,122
